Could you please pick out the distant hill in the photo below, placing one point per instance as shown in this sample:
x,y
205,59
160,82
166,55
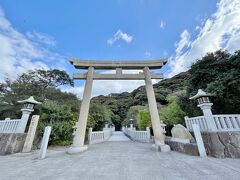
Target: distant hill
x,y
119,103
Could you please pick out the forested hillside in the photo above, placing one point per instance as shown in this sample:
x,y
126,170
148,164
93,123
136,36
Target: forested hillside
x,y
119,104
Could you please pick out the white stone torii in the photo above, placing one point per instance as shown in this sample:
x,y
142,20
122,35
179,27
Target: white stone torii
x,y
90,65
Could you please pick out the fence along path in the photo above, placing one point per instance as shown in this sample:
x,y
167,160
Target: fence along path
x,y
225,122
99,136
141,136
9,125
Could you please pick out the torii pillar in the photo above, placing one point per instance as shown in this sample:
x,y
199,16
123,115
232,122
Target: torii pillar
x,y
78,140
158,131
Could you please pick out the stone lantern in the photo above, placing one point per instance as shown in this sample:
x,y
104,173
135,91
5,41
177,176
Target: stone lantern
x,y
106,125
28,108
205,105
131,123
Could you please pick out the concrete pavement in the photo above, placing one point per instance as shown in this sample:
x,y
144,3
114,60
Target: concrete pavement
x,y
116,161
118,136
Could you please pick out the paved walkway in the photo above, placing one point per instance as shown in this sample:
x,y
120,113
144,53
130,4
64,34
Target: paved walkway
x,y
116,161
118,136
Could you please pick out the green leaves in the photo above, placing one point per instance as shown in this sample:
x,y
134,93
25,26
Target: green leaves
x,y
145,119
59,109
98,116
61,118
218,73
172,113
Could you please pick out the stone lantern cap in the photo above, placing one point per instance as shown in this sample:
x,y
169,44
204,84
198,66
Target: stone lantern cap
x,y
201,93
30,100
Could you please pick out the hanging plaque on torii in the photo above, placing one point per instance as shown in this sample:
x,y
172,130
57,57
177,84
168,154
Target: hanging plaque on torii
x,y
90,75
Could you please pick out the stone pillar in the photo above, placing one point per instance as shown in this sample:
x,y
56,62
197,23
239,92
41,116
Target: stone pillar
x,y
148,133
158,131
78,140
89,135
207,112
44,144
24,119
31,134
199,140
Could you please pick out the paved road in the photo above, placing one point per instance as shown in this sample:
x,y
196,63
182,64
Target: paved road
x,y
116,161
118,136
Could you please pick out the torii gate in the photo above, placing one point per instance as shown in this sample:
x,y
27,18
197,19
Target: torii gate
x,y
90,65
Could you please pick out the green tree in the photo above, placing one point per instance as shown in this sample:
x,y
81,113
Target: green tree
x,y
217,73
145,119
61,118
133,113
59,109
172,112
38,83
98,116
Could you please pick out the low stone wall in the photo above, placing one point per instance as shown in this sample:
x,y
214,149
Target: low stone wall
x,y
217,144
11,142
222,144
186,148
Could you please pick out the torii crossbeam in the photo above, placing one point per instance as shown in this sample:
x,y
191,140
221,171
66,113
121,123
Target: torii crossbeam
x,y
90,65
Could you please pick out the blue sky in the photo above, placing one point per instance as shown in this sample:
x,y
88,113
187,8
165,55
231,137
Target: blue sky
x,y
45,34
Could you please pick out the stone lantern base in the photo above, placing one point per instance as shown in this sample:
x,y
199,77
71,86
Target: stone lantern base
x,y
75,150
161,148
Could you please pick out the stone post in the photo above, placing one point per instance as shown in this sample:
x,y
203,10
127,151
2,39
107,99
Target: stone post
x,y
207,112
106,125
89,135
44,144
24,119
31,134
199,140
158,131
78,140
148,133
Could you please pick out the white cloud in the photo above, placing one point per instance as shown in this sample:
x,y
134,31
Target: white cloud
x,y
221,30
19,52
184,42
147,54
41,38
105,87
162,25
119,35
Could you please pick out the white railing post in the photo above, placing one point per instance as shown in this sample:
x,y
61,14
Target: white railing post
x,y
186,118
89,135
148,133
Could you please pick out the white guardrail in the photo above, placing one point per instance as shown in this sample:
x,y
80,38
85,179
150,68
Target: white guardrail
x,y
142,136
99,136
225,122
9,125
